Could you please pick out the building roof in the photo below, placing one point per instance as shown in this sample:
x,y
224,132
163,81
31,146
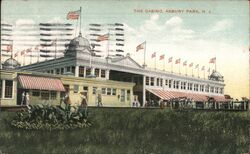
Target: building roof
x,y
78,44
11,63
216,76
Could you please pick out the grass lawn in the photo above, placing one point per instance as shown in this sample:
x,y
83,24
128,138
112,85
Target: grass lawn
x,y
136,131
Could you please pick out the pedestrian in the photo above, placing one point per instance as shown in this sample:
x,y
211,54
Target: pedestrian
x,y
99,100
84,102
27,96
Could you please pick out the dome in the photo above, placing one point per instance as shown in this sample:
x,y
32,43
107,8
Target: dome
x,y
78,44
11,63
216,76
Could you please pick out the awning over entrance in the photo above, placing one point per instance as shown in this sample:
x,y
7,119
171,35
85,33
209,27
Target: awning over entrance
x,y
166,95
40,83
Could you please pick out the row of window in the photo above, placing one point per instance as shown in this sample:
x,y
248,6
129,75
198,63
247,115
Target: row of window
x,y
45,95
150,81
97,72
8,88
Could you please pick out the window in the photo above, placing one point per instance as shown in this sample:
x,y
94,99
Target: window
x,y
183,85
190,86
216,90
53,95
128,95
221,90
62,70
76,88
81,71
68,69
207,88
97,72
114,91
122,95
85,88
176,84
202,88
152,81
147,80
169,83
88,71
212,89
45,95
161,80
166,82
73,69
104,91
8,88
1,83
52,71
94,90
57,71
103,75
48,72
157,82
196,87
108,91
36,93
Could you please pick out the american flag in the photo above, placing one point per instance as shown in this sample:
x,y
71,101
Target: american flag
x,y
28,50
141,46
103,37
72,15
191,64
185,63
9,48
22,52
170,59
153,55
178,61
16,54
212,60
162,57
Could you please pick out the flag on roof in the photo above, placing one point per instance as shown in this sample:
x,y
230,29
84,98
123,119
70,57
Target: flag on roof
x,y
103,37
185,63
141,46
212,60
162,57
153,55
177,61
72,15
16,54
170,59
191,64
9,48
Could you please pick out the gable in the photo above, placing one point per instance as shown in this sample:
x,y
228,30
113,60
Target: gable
x,y
126,61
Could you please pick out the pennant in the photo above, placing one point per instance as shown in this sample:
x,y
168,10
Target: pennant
x,y
178,61
22,52
28,50
212,60
191,64
197,66
185,63
9,48
162,57
103,37
153,55
16,54
170,59
72,15
141,46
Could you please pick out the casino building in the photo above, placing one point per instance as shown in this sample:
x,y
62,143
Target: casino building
x,y
80,70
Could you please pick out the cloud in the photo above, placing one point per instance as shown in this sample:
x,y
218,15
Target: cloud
x,y
222,25
151,25
174,21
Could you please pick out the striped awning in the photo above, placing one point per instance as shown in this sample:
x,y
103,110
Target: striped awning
x,y
166,95
40,83
220,99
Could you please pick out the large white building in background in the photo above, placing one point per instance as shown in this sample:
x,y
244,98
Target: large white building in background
x,y
79,62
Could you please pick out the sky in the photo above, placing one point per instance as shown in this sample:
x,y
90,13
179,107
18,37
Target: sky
x,y
195,31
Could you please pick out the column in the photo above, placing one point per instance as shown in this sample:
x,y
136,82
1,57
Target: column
x,y
92,71
76,71
107,74
144,90
3,87
84,74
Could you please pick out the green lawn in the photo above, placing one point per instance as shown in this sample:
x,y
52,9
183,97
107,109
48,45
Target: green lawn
x,y
136,131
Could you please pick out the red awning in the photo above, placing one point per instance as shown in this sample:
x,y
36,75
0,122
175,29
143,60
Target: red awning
x,y
166,95
40,83
220,98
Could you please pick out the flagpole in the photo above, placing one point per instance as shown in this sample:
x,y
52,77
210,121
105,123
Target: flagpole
x,y
145,55
204,73
186,70
30,55
172,66
192,71
164,63
55,47
180,67
215,64
155,62
80,20
198,72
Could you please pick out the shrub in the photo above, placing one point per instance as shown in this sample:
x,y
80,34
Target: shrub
x,y
51,117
